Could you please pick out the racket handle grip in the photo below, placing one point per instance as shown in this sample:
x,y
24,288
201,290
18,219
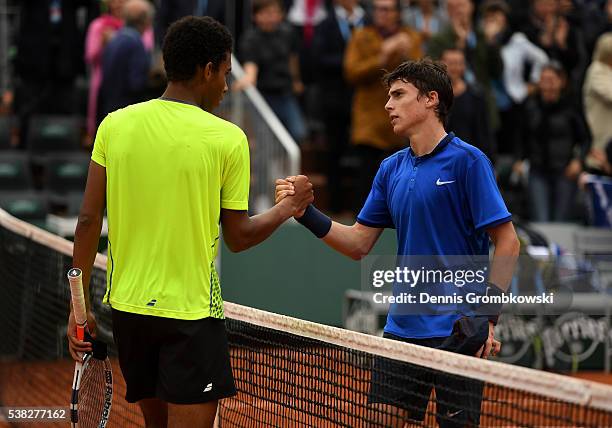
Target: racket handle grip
x,y
80,331
75,277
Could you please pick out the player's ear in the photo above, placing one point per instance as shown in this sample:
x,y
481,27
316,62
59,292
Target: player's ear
x,y
432,99
200,74
208,70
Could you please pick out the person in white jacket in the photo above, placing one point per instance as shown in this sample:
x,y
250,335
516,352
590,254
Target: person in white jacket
x,y
597,93
518,55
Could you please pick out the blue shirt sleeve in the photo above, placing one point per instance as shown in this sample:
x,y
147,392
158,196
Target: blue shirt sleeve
x,y
375,211
486,204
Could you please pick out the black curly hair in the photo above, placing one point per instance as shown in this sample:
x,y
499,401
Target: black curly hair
x,y
193,41
426,75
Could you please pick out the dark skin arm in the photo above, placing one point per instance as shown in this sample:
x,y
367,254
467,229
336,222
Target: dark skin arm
x,y
241,232
86,238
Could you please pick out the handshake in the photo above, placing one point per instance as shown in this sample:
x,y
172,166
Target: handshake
x,y
295,192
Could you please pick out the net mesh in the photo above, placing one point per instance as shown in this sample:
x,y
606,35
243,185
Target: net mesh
x,y
288,372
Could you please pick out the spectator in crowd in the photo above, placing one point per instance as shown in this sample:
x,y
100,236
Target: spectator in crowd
x,y
126,63
468,115
328,46
305,16
425,16
597,92
550,30
597,22
172,10
480,46
554,141
48,59
522,62
383,45
99,33
269,54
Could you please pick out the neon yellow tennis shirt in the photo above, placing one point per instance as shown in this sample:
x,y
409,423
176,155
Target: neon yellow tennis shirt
x,y
170,168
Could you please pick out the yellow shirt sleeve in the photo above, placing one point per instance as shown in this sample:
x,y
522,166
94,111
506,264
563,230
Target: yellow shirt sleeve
x,y
236,178
98,154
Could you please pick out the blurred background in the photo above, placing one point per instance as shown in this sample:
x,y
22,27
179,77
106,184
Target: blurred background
x,y
533,90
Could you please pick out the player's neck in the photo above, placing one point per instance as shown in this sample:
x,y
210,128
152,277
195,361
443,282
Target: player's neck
x,y
180,92
424,139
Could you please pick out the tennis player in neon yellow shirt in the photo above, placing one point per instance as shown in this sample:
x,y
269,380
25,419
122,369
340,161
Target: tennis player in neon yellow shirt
x,y
168,172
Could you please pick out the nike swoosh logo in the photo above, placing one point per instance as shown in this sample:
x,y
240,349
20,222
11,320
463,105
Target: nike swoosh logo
x,y
441,183
453,414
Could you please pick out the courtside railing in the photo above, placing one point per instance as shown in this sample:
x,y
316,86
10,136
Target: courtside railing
x,y
274,153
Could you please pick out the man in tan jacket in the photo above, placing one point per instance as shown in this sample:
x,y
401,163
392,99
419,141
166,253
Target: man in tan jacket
x,y
383,45
597,93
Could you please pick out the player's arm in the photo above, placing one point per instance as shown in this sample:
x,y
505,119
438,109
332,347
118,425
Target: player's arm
x,y
89,225
241,232
506,252
354,241
507,248
250,77
86,238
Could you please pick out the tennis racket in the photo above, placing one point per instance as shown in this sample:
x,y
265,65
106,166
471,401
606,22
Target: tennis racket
x,y
92,385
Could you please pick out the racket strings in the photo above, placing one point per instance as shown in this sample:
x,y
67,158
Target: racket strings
x,y
92,393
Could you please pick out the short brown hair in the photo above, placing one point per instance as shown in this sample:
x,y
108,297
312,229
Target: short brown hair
x,y
427,76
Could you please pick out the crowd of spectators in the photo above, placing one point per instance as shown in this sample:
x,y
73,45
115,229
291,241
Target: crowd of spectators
x,y
532,78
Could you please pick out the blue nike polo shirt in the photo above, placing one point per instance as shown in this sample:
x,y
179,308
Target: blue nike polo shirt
x,y
440,204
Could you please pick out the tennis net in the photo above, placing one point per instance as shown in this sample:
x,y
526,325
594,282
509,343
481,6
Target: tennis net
x,y
289,372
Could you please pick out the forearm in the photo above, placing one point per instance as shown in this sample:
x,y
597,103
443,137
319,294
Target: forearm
x,y
347,241
86,238
250,72
254,230
504,261
360,68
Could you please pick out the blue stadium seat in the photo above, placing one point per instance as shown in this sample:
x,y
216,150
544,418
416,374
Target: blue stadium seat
x,y
15,173
54,134
65,175
65,172
30,206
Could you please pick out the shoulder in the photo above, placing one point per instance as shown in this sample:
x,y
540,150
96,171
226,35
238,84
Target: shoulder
x,y
250,35
598,68
330,20
367,32
519,38
467,154
230,130
126,116
231,135
475,90
393,162
97,25
286,30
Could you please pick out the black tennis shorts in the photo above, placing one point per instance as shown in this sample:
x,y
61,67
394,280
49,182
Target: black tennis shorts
x,y
408,387
178,361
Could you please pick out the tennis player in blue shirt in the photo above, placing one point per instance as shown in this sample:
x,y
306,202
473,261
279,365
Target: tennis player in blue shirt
x,y
441,196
